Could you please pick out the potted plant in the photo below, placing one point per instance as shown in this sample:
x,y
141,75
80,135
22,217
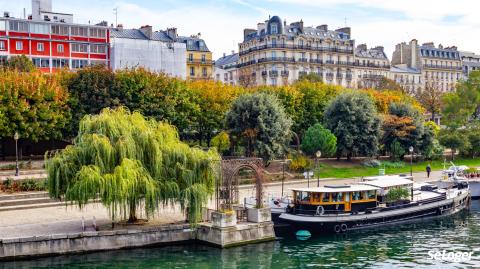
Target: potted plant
x,y
224,218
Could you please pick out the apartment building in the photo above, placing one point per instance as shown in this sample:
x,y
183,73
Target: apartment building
x,y
371,66
199,58
226,69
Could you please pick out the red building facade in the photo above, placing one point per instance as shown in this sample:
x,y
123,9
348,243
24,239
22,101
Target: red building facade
x,y
54,45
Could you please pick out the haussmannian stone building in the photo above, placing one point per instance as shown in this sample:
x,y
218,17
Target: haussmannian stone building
x,y
277,53
440,67
470,62
371,66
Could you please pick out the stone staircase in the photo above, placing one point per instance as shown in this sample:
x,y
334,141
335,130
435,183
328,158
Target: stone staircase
x,y
27,200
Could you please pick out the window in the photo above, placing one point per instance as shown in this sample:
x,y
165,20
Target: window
x,y
37,28
18,26
40,47
59,30
337,197
97,32
79,47
2,45
2,26
79,64
203,58
372,194
204,71
190,57
79,31
41,62
273,28
59,63
325,197
201,44
192,71
97,49
19,45
60,48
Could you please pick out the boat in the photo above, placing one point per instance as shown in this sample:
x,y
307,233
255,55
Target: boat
x,y
277,204
367,204
458,173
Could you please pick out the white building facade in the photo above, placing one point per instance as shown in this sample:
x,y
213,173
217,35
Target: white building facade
x,y
155,51
371,66
470,62
226,69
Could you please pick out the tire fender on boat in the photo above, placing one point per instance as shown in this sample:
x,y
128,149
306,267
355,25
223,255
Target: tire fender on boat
x,y
320,210
337,229
344,227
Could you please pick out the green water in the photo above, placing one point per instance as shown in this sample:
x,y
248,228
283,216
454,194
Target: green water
x,y
401,247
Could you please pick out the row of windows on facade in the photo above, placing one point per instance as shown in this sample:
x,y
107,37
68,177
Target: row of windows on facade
x,y
38,28
190,57
442,75
301,43
303,55
204,71
61,63
94,48
441,63
436,53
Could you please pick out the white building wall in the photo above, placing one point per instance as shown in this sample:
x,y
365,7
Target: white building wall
x,y
152,55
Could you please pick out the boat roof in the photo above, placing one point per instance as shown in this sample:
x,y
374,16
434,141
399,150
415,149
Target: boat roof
x,y
388,181
339,188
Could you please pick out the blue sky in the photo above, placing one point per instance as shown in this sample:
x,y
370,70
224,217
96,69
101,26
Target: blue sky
x,y
221,22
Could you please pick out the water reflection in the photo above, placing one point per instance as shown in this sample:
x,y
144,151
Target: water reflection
x,y
406,247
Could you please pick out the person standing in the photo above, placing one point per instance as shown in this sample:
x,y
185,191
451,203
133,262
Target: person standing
x,y
429,169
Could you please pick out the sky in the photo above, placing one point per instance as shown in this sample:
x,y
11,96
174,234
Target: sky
x,y
221,22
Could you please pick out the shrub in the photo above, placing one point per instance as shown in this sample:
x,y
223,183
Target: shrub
x,y
396,194
387,164
300,163
317,138
371,163
221,141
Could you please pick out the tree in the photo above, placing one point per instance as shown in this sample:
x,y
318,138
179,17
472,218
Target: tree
x,y
317,138
352,118
463,104
221,141
130,162
32,104
310,77
431,99
20,63
90,91
260,121
454,140
388,84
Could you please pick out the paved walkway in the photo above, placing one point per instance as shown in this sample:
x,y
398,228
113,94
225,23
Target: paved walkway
x,y
68,219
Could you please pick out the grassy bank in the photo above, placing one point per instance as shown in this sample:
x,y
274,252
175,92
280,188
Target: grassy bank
x,y
357,170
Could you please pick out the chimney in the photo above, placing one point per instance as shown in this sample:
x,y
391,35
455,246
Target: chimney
x,y
6,14
429,44
260,26
413,51
246,32
345,30
233,52
323,27
362,47
298,24
440,46
120,27
379,48
147,31
172,33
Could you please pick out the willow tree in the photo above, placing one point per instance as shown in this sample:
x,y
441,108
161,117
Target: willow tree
x,y
130,162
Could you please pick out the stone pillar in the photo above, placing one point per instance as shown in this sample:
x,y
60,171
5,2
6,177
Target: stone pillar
x,y
259,215
223,220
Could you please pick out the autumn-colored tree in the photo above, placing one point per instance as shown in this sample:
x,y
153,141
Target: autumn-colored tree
x,y
20,63
388,84
431,99
32,104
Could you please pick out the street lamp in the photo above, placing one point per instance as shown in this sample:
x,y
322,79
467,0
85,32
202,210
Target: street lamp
x,y
16,136
411,160
283,172
318,154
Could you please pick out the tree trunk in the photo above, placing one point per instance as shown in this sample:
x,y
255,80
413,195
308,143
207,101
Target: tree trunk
x,y
132,218
453,154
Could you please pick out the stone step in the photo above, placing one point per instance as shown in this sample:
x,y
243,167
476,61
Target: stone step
x,y
27,201
31,206
23,195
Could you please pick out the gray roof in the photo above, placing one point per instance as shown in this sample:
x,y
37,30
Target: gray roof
x,y
371,53
293,30
400,69
227,60
194,43
137,34
446,53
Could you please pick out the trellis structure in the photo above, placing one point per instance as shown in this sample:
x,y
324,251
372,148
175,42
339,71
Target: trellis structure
x,y
229,193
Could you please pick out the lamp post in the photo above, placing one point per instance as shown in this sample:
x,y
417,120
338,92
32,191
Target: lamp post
x,y
283,172
318,154
16,136
411,160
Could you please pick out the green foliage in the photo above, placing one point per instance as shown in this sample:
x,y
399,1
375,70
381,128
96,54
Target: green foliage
x,y
434,151
432,126
20,63
454,140
472,134
352,118
300,163
128,161
311,77
221,141
396,150
463,104
388,164
395,194
262,124
318,138
32,104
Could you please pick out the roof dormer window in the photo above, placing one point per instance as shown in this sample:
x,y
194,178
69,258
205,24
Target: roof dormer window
x,y
273,28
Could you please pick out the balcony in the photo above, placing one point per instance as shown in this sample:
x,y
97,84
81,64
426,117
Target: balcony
x,y
372,77
329,76
303,60
302,73
339,76
330,62
264,73
316,61
349,76
284,73
273,73
296,47
436,66
372,65
198,61
276,59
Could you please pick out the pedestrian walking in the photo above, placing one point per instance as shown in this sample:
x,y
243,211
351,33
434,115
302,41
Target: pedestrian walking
x,y
429,169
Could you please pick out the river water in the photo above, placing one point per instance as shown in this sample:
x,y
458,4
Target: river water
x,y
400,247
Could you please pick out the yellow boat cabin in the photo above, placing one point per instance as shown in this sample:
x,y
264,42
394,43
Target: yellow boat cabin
x,y
335,199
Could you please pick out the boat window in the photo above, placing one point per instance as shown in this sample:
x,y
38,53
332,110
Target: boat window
x,y
347,197
304,196
316,197
337,196
371,195
356,196
326,197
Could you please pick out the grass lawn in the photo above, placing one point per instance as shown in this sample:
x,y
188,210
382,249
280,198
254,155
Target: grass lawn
x,y
357,170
